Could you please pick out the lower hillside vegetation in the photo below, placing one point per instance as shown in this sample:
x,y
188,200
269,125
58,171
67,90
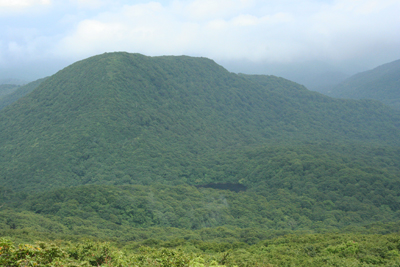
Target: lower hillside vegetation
x,y
305,205
292,250
309,187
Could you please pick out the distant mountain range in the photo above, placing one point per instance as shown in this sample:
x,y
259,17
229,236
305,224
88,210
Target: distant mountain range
x,y
13,81
381,83
14,92
6,89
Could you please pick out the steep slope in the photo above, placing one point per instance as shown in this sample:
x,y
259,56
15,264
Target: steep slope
x,y
122,118
381,83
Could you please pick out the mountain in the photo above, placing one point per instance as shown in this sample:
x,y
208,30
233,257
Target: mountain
x,y
13,81
128,147
6,89
381,83
322,82
122,118
18,92
316,76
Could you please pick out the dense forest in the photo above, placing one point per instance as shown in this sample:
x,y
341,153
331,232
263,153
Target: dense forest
x,y
292,250
177,162
126,118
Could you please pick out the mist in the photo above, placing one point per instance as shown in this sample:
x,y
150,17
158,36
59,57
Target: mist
x,y
315,43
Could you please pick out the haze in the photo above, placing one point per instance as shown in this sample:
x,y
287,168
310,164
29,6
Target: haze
x,y
299,40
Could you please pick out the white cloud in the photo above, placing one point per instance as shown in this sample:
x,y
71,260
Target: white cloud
x,y
349,29
273,31
134,27
156,29
251,20
91,4
22,3
362,6
14,8
211,9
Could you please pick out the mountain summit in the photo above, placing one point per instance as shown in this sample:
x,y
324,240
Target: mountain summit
x,y
120,118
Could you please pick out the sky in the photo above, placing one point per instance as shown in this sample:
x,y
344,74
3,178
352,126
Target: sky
x,y
40,37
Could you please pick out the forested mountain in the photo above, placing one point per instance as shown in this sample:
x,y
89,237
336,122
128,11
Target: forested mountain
x,y
381,83
126,118
124,143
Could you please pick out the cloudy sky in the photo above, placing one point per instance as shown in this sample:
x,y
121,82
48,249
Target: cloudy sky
x,y
39,37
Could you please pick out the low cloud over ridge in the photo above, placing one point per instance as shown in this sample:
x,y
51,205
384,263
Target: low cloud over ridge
x,y
337,32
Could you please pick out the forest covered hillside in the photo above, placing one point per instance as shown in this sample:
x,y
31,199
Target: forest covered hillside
x,y
123,118
178,152
381,83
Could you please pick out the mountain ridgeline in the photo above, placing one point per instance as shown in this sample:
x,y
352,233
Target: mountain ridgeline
x,y
121,118
6,89
17,92
381,83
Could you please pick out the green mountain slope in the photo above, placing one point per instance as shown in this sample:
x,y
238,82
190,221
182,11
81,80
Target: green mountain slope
x,y
381,83
124,118
127,147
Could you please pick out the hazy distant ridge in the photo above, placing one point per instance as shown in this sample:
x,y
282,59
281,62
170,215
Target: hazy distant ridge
x,y
17,92
381,83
